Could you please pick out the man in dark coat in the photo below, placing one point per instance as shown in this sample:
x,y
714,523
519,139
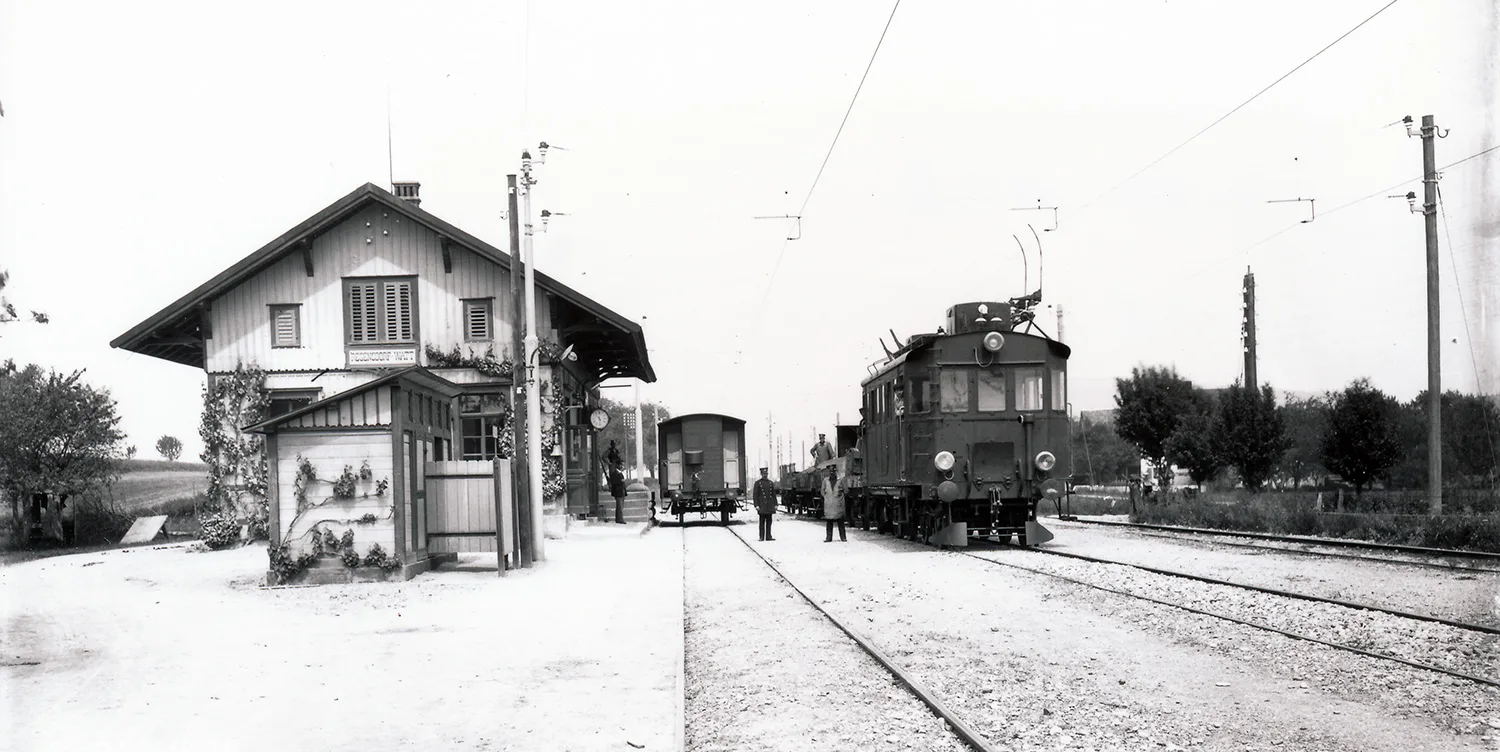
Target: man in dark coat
x,y
617,490
765,503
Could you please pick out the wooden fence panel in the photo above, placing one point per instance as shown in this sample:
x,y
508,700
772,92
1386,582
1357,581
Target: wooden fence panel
x,y
461,506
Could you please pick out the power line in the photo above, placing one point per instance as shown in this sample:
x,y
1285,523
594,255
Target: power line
x,y
829,155
1340,207
1226,115
1468,335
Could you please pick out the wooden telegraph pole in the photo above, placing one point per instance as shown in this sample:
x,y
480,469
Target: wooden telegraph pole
x,y
519,471
1247,331
1434,336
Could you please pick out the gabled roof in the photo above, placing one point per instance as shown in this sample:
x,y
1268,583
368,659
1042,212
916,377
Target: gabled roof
x,y
412,375
608,344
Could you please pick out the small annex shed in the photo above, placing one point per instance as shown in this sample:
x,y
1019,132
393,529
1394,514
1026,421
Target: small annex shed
x,y
357,463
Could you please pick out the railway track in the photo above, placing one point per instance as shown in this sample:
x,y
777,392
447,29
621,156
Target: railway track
x,y
966,733
1188,533
1474,628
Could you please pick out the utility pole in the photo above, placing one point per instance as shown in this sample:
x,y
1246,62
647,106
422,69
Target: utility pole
x,y
519,477
1060,337
533,385
770,439
1434,336
640,448
1247,332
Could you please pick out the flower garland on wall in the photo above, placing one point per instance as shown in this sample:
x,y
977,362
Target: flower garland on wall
x,y
236,494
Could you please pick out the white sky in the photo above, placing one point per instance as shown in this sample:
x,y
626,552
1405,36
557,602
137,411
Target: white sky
x,y
147,146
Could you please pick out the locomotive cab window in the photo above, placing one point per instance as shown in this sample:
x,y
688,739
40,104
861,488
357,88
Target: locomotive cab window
x,y
991,390
1029,388
921,396
953,390
1059,390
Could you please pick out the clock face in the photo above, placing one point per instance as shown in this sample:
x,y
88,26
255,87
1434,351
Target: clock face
x,y
599,418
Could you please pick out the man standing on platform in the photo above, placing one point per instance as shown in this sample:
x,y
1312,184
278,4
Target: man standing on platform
x,y
617,490
765,503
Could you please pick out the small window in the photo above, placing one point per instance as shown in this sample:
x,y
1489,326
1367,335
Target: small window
x,y
992,390
286,326
1029,388
482,426
477,320
283,402
953,392
1059,390
921,396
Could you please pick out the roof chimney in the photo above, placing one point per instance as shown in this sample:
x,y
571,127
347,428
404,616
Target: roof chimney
x,y
408,192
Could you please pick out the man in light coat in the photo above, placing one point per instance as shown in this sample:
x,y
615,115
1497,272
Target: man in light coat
x,y
765,503
822,451
833,503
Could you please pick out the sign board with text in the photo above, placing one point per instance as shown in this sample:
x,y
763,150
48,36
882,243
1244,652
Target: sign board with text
x,y
382,356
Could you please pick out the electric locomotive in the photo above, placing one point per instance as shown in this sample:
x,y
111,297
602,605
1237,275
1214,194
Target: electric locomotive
x,y
966,429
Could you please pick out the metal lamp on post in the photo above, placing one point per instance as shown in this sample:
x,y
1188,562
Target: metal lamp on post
x,y
531,346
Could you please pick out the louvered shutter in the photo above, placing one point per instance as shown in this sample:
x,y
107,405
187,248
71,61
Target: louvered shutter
x,y
398,314
284,327
363,326
477,319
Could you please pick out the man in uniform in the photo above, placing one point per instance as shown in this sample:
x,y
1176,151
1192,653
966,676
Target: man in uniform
x,y
822,451
765,503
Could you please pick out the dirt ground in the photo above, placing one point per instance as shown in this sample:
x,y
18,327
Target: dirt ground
x,y
166,648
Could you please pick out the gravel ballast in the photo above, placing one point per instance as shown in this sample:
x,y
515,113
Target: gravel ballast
x,y
1457,594
766,671
1464,651
1037,663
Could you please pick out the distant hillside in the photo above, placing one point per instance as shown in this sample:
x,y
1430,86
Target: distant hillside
x,y
156,466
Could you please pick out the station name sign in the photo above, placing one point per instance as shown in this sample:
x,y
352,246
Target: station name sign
x,y
383,356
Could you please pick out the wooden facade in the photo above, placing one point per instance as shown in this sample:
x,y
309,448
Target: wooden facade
x,y
375,243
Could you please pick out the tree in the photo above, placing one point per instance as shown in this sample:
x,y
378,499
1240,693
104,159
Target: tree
x,y
1194,446
1151,404
1360,443
169,447
1471,441
1303,422
57,435
1249,432
1100,453
8,312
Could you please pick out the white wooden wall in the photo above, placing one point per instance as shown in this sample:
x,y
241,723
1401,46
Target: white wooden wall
x,y
329,453
397,247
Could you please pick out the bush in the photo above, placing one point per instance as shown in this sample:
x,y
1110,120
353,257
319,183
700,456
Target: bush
x,y
219,531
1296,514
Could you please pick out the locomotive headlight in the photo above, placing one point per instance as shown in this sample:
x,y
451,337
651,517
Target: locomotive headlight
x,y
944,461
994,341
1045,461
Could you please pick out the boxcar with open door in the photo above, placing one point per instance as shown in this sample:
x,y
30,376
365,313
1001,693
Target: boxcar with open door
x,y
702,464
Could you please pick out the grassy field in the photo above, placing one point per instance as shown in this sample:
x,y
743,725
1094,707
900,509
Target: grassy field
x,y
145,490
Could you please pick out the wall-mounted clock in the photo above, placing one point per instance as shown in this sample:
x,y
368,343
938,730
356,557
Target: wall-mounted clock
x,y
599,418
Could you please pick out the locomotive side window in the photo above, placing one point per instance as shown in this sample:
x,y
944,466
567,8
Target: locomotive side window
x,y
1059,390
991,390
921,396
1029,388
953,390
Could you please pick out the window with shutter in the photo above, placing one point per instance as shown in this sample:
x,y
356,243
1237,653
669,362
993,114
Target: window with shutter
x,y
381,311
477,320
286,326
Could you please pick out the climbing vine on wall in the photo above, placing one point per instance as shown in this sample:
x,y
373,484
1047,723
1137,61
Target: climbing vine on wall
x,y
310,533
236,460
